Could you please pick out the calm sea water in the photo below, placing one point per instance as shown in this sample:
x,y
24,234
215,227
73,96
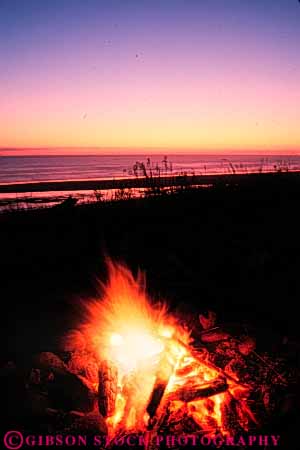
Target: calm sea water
x,y
46,168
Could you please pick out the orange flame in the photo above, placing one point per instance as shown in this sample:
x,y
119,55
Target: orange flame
x,y
145,343
125,326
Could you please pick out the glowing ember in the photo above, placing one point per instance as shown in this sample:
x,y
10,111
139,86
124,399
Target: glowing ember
x,y
148,369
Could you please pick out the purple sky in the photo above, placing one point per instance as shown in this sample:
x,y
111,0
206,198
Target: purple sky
x,y
209,75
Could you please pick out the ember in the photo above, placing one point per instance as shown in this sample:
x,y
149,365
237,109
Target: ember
x,y
153,377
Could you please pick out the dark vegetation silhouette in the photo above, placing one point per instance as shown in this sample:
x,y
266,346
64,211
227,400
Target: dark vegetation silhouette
x,y
231,248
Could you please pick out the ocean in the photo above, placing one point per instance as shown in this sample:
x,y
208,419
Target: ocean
x,y
28,169
46,168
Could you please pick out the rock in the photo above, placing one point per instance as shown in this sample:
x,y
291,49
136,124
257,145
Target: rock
x,y
35,377
88,424
68,392
36,403
84,364
93,387
75,423
48,361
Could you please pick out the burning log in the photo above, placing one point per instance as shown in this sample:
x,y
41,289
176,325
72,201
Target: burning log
x,y
186,370
198,357
163,375
230,415
107,390
197,392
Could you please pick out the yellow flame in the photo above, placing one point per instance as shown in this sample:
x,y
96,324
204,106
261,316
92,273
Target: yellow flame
x,y
125,327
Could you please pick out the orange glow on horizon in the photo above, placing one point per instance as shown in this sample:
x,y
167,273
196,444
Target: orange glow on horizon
x,y
142,150
180,114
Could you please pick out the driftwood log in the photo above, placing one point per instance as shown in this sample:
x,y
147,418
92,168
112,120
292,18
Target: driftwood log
x,y
107,390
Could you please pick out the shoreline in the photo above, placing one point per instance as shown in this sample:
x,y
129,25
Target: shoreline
x,y
141,182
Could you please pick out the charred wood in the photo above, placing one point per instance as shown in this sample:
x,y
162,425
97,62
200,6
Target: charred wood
x,y
197,392
164,372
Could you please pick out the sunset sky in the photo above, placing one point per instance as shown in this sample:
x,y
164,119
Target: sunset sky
x,y
191,75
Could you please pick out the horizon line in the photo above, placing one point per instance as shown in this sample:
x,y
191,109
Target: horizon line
x,y
128,151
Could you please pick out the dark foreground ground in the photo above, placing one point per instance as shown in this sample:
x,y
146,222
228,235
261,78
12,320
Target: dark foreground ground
x,y
232,249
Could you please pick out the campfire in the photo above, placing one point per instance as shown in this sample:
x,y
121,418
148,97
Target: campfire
x,y
131,367
150,374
